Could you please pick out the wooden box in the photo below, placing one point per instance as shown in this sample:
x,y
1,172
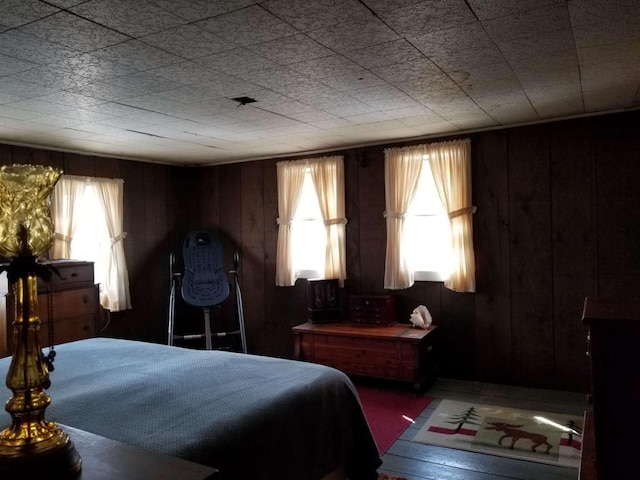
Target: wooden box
x,y
323,301
372,309
398,352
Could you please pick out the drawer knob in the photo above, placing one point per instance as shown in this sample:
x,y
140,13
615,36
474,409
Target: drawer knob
x,y
85,299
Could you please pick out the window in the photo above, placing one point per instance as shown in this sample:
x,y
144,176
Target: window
x,y
87,214
427,230
428,212
308,239
311,232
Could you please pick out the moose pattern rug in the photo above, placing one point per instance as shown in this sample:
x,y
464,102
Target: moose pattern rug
x,y
523,434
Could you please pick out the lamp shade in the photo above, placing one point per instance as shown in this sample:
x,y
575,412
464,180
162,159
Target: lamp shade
x,y
26,228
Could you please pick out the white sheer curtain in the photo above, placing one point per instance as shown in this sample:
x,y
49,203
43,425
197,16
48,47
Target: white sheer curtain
x,y
63,200
402,168
451,167
290,179
328,179
450,163
114,295
70,199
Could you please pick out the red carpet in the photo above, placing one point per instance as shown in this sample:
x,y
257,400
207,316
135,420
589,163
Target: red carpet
x,y
389,412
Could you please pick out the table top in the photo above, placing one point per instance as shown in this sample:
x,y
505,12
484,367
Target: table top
x,y
106,459
401,331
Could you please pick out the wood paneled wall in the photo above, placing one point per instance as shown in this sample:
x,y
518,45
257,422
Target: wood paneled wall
x,y
557,220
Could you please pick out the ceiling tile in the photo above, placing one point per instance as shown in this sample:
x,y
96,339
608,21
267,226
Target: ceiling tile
x,y
273,77
105,91
188,41
93,67
384,104
307,15
354,35
137,55
541,45
431,15
385,54
561,107
74,32
293,49
233,62
378,92
533,22
21,12
136,18
54,78
353,81
193,10
21,89
447,41
186,72
484,9
420,69
9,65
597,11
468,59
330,65
248,26
65,3
36,105
512,113
26,47
414,115
484,74
143,83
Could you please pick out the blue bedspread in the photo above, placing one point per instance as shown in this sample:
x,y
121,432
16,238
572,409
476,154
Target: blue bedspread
x,y
251,417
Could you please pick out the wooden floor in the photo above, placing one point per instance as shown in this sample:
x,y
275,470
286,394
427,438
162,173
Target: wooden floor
x,y
417,461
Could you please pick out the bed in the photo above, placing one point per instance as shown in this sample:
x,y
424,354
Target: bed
x,y
249,416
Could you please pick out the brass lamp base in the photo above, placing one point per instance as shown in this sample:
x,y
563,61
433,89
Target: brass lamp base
x,y
55,455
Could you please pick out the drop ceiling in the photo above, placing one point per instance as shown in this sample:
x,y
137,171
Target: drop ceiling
x,y
155,80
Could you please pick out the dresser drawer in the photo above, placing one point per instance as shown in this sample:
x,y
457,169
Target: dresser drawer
x,y
72,274
68,330
68,303
372,309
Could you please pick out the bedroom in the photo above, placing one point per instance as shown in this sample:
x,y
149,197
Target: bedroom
x,y
556,221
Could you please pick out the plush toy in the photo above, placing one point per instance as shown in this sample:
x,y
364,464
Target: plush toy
x,y
420,317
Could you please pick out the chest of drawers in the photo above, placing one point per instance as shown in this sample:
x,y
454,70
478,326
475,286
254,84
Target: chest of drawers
x,y
68,305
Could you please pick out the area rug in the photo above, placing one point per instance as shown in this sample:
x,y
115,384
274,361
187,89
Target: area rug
x,y
526,435
389,412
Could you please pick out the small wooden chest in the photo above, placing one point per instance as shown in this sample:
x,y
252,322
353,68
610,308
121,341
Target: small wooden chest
x,y
399,352
323,301
372,309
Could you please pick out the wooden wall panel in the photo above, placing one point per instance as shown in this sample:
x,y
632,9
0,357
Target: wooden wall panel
x,y
352,163
530,255
618,197
253,221
491,243
6,154
35,156
127,324
574,247
373,236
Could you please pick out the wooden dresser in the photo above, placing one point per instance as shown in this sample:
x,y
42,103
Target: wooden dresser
x,y
397,352
71,299
614,332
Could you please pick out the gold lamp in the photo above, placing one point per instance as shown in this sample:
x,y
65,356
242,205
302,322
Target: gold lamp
x,y
31,446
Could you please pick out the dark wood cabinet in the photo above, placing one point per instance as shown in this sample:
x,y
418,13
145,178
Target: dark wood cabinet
x,y
397,352
68,305
614,331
